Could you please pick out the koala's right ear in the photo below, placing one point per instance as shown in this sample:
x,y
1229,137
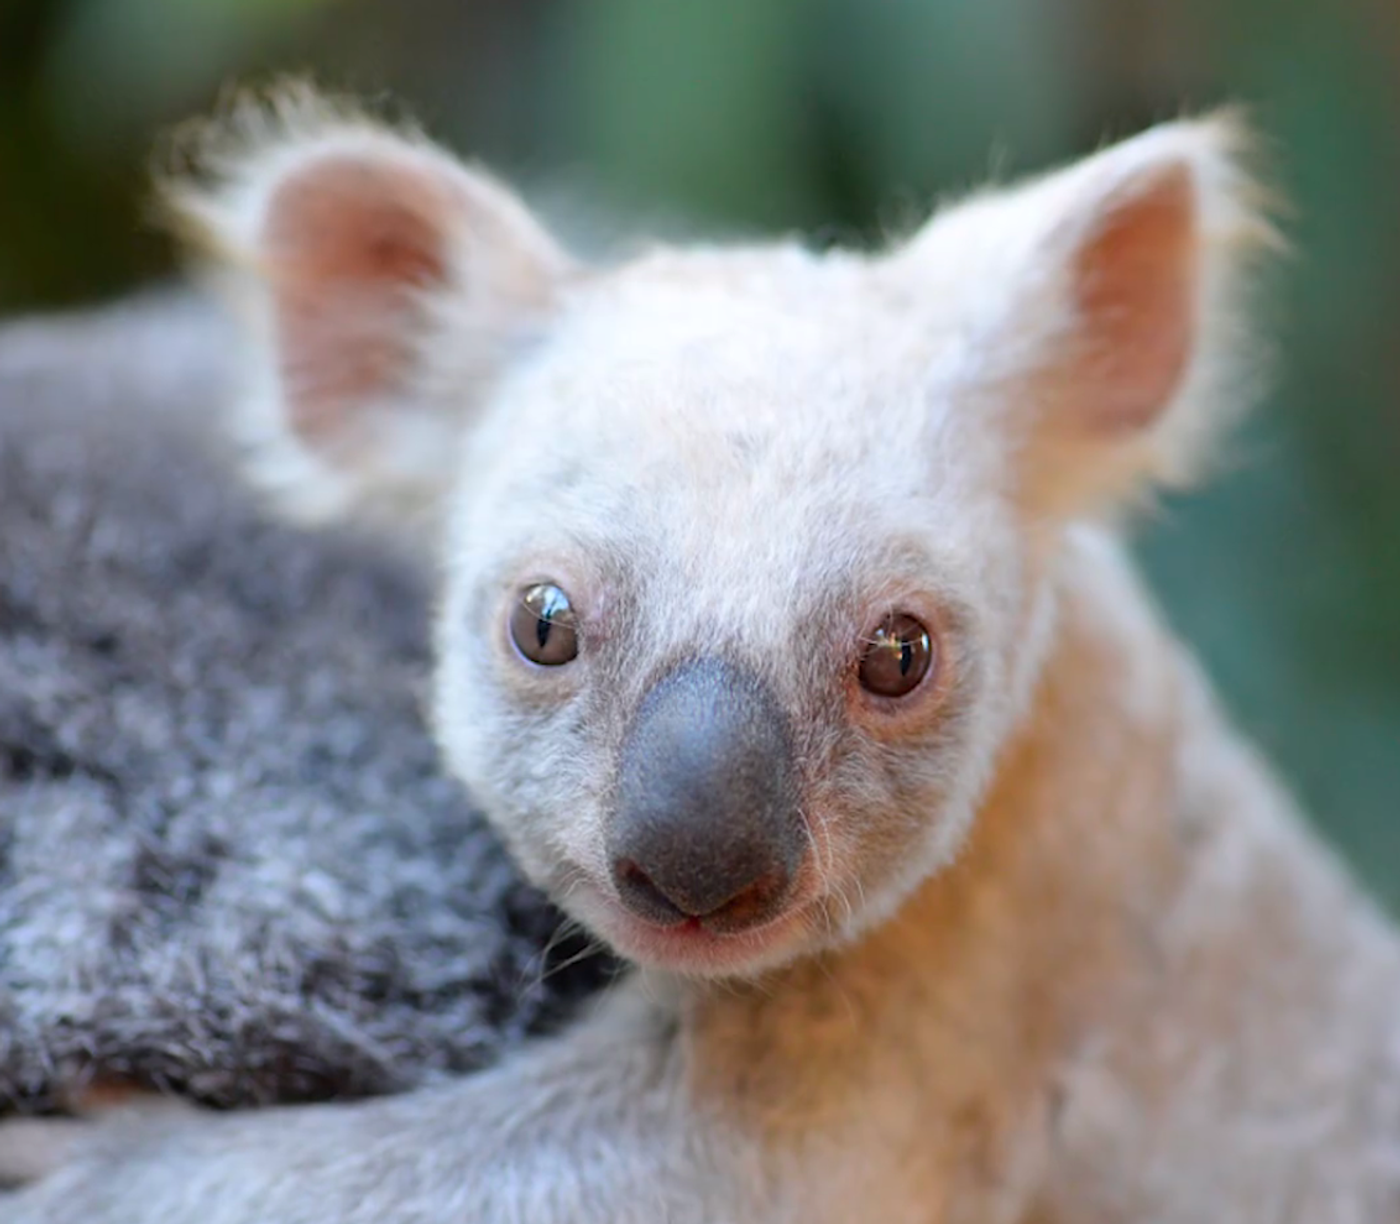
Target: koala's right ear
x,y
382,284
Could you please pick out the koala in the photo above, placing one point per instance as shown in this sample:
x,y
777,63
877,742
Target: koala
x,y
787,635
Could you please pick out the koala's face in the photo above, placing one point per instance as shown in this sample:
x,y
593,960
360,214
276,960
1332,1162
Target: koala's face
x,y
733,608
749,555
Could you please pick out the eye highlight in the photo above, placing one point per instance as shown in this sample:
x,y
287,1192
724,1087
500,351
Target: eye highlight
x,y
544,627
898,655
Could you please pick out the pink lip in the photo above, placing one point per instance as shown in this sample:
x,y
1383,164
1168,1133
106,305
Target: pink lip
x,y
688,947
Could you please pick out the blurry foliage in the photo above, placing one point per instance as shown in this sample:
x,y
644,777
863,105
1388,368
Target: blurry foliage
x,y
845,118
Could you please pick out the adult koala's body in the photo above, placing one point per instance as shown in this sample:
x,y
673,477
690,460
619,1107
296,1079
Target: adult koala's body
x,y
231,864
782,643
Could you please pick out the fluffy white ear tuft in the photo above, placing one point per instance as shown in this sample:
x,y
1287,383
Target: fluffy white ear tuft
x,y
383,285
1108,330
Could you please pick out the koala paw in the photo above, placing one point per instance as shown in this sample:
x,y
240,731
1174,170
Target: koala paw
x,y
32,1148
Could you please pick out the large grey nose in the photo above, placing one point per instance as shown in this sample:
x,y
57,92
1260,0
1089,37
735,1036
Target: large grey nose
x,y
707,823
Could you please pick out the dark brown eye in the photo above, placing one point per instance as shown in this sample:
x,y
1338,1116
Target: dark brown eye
x,y
543,626
897,657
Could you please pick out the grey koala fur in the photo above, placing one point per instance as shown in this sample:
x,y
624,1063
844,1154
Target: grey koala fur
x,y
230,864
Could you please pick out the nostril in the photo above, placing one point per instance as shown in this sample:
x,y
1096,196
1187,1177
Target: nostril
x,y
642,896
750,907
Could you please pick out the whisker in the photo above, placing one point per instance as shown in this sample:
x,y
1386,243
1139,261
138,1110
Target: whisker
x,y
593,948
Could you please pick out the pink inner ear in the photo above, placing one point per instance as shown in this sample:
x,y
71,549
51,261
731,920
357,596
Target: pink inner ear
x,y
1135,280
348,240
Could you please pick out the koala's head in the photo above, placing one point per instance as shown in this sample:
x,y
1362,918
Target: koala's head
x,y
748,554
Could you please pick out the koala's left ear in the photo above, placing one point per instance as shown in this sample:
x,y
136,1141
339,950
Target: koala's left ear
x,y
383,285
1106,324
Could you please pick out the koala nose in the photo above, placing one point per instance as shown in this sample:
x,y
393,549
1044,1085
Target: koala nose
x,y
707,822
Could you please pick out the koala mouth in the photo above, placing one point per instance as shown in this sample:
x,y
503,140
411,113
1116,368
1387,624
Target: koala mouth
x,y
695,948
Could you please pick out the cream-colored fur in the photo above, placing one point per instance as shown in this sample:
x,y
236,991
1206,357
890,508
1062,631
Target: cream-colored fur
x,y
1061,952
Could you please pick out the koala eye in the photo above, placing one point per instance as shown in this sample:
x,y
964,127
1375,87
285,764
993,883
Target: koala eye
x,y
543,626
897,657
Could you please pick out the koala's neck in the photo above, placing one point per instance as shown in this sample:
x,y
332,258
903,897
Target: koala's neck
x,y
1130,866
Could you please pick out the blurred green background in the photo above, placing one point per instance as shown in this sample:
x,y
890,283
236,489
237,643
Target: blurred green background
x,y
838,117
